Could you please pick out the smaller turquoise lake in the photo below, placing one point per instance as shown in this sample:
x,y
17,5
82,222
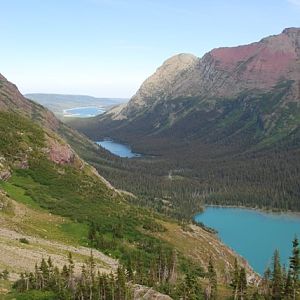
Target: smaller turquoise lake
x,y
253,234
118,149
83,112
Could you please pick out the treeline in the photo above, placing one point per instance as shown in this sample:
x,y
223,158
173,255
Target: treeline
x,y
90,284
278,283
151,263
66,284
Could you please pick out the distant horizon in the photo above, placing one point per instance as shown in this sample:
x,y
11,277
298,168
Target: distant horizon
x,y
78,95
107,48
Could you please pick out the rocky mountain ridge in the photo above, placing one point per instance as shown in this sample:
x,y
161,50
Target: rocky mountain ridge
x,y
223,73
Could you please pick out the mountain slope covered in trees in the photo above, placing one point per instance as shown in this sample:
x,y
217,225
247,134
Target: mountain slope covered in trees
x,y
226,126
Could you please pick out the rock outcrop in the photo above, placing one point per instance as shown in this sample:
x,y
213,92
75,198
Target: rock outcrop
x,y
60,152
145,293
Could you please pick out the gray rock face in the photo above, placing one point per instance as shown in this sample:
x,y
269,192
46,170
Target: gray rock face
x,y
145,293
168,80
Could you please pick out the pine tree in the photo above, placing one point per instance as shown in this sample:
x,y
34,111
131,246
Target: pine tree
x,y
112,286
235,280
71,267
276,277
190,285
288,289
92,233
44,273
266,283
212,277
242,283
121,284
295,267
91,270
173,267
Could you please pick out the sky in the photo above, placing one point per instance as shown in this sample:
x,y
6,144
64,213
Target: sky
x,y
107,48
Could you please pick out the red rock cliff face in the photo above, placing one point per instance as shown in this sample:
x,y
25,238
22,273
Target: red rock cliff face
x,y
261,65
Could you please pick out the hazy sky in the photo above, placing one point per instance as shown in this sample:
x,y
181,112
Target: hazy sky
x,y
108,47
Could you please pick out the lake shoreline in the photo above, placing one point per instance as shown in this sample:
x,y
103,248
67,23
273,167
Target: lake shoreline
x,y
256,209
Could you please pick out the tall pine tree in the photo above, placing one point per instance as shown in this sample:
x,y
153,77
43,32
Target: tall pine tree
x,y
276,277
295,268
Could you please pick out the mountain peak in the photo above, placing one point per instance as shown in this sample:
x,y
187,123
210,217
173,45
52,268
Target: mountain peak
x,y
291,30
176,64
183,59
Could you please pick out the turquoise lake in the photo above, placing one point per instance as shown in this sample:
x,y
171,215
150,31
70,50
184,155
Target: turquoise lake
x,y
118,149
253,234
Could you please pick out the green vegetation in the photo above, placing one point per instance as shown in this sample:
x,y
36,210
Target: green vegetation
x,y
16,192
18,136
242,151
100,217
49,281
216,164
24,241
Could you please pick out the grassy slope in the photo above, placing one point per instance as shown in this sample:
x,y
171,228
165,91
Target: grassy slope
x,y
78,198
47,235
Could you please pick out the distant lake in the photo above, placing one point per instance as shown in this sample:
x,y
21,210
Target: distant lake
x,y
118,149
83,112
253,234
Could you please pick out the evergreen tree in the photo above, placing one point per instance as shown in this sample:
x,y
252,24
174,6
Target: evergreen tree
x,y
277,282
288,289
295,267
85,286
44,273
212,277
121,284
266,288
191,289
235,280
242,283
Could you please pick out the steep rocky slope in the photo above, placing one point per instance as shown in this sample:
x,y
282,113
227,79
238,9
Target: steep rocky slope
x,y
215,97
